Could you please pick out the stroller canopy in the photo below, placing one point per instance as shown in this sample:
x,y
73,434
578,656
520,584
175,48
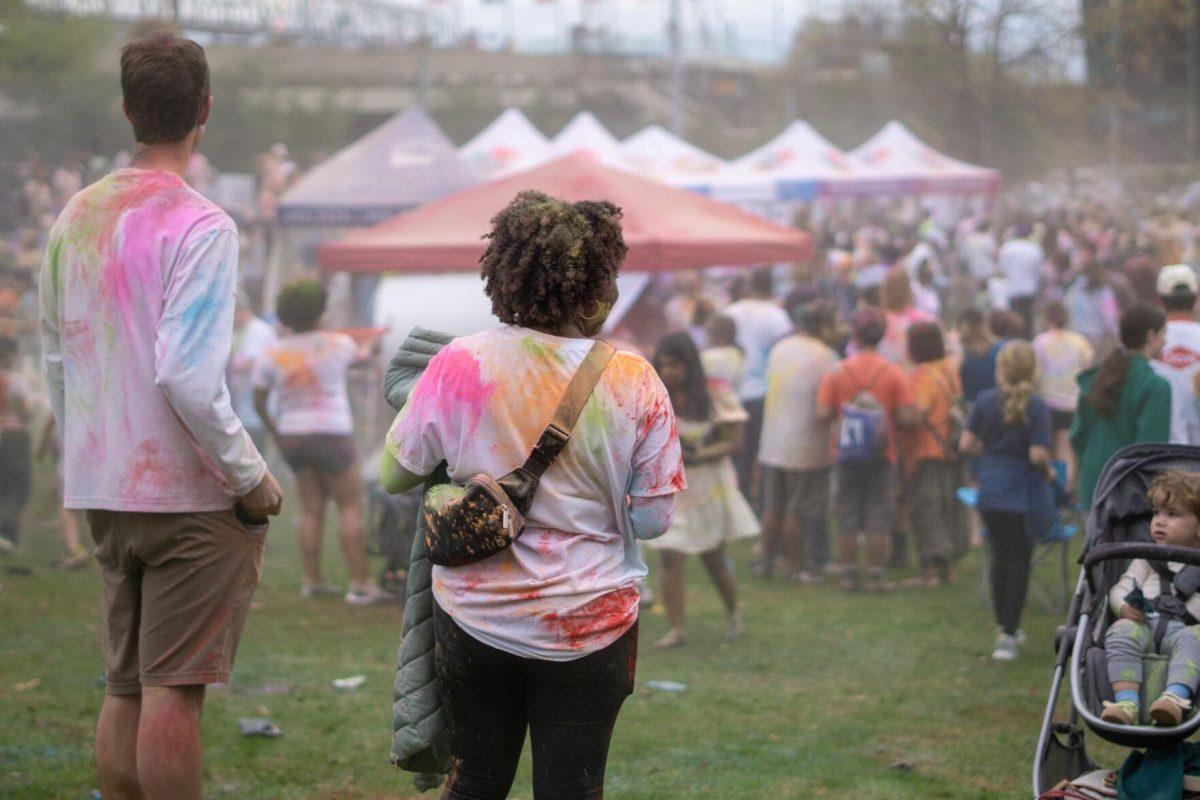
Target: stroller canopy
x,y
1119,505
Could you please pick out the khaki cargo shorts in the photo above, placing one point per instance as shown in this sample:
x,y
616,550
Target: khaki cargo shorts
x,y
175,592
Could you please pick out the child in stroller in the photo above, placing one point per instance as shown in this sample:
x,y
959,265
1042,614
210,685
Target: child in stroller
x,y
1149,618
1119,525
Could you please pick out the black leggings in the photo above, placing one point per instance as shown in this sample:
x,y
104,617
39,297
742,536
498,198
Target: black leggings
x,y
16,468
1011,553
570,708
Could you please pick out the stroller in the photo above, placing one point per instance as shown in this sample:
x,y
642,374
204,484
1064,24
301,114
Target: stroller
x,y
1118,531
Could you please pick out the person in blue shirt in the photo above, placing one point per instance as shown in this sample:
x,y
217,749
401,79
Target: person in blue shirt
x,y
1009,431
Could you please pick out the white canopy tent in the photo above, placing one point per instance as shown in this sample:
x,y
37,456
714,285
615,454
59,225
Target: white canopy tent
x,y
656,153
511,143
896,153
455,303
587,134
795,165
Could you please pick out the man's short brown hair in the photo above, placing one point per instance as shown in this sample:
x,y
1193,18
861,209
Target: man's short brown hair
x,y
164,80
1176,491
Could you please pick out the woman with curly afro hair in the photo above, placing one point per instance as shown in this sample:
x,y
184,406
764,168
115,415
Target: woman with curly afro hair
x,y
542,635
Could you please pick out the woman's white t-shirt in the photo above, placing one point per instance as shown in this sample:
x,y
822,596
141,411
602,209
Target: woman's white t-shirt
x,y
569,585
307,373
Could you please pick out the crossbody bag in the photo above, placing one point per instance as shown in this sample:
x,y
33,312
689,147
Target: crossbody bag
x,y
468,523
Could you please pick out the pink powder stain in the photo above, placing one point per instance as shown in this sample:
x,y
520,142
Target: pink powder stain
x,y
144,226
79,341
460,389
147,475
94,448
605,614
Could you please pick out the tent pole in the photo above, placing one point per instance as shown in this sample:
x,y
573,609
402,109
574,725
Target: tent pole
x,y
675,42
271,278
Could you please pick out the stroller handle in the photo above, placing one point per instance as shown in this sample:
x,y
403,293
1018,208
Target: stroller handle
x,y
1130,550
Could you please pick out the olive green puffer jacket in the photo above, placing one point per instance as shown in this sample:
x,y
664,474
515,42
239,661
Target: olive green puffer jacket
x,y
420,743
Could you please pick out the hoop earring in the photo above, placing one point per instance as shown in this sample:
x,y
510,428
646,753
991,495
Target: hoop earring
x,y
599,311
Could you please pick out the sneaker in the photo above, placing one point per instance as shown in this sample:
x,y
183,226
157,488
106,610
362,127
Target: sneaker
x,y
6,545
735,629
1169,710
367,595
1006,648
319,590
1122,713
1020,637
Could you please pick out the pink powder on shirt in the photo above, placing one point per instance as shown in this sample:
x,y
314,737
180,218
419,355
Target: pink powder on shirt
x,y
147,475
461,389
134,256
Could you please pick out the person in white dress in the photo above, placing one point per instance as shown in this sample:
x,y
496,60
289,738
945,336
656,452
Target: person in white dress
x,y
712,511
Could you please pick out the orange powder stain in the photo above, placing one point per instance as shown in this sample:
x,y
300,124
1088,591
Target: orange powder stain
x,y
297,372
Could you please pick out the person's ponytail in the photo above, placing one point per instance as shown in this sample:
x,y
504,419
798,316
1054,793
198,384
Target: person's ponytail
x,y
1016,403
1016,367
1137,324
1109,380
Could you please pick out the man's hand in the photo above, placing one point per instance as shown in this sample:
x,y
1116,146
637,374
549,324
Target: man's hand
x,y
1129,612
265,499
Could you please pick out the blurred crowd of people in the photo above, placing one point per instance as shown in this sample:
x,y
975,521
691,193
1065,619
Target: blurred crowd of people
x,y
912,358
822,405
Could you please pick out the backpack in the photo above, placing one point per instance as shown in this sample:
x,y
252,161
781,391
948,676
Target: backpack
x,y
862,429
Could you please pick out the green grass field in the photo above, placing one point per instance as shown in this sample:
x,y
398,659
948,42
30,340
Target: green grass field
x,y
830,695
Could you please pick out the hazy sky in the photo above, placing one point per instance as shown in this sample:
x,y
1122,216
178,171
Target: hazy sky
x,y
757,29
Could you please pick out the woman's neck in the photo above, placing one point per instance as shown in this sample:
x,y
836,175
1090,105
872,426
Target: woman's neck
x,y
569,331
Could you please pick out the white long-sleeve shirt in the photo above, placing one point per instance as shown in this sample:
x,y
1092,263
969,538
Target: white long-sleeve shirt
x,y
137,299
1141,574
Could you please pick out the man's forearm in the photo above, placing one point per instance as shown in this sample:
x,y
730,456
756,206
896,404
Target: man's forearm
x,y
219,432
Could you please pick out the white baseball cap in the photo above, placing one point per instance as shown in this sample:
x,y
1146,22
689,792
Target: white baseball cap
x,y
1177,278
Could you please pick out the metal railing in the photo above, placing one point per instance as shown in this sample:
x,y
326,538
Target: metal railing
x,y
344,21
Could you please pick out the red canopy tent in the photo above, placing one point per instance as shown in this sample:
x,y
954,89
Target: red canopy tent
x,y
665,228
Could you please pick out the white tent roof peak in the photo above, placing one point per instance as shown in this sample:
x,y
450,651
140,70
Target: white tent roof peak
x,y
509,144
660,154
799,150
584,132
895,148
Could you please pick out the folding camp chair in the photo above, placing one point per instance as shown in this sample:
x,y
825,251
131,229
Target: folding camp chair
x,y
1054,546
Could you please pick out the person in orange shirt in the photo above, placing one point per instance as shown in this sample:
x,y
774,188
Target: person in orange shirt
x,y
871,400
929,454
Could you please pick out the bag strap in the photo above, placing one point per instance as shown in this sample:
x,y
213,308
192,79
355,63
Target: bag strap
x,y
867,386
947,446
554,439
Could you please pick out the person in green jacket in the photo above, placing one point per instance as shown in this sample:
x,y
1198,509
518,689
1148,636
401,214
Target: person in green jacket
x,y
1124,401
